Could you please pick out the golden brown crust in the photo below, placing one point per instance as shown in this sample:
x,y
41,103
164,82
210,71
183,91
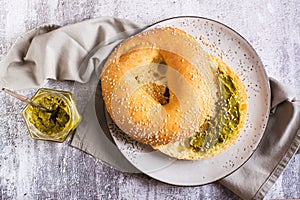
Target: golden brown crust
x,y
178,51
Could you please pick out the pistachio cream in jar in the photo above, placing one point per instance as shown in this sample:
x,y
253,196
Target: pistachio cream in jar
x,y
58,122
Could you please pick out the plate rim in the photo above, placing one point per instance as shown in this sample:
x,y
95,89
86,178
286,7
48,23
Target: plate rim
x,y
268,91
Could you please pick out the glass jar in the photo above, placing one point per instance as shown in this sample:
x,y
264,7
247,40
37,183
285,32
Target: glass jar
x,y
55,125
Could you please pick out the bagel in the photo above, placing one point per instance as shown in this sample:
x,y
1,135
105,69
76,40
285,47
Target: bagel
x,y
211,141
162,89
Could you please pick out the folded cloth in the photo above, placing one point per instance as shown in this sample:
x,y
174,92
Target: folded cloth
x,y
50,52
76,52
279,143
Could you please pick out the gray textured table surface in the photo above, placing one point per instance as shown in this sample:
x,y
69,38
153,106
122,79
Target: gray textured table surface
x,y
42,170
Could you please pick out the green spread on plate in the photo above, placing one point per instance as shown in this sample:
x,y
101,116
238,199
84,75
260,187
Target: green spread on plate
x,y
226,121
50,122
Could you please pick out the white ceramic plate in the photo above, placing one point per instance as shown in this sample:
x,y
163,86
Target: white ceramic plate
x,y
244,60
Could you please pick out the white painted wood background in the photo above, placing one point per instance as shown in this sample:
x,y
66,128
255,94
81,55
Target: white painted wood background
x,y
41,170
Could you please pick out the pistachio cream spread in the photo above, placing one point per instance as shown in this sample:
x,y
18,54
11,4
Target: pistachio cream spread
x,y
224,124
50,122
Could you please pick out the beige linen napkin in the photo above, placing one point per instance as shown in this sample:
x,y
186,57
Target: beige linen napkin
x,y
279,143
50,52
76,52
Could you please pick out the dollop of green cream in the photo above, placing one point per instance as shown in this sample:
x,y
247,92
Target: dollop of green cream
x,y
50,123
226,121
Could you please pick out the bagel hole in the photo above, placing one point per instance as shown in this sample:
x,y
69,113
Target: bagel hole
x,y
159,93
167,95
